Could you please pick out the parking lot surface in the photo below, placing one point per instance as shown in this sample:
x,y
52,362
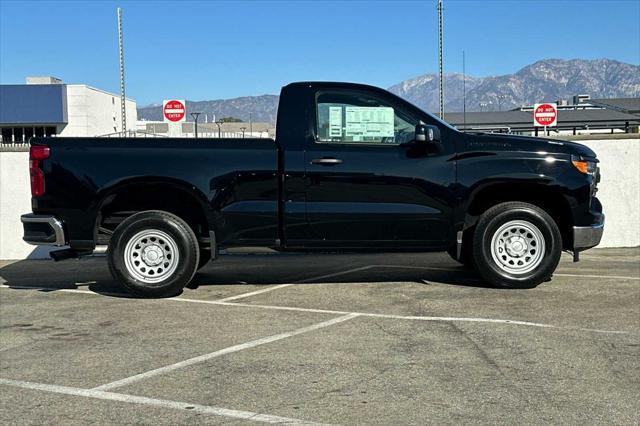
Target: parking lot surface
x,y
322,339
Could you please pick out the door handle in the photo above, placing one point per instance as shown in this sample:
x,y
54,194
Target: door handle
x,y
327,161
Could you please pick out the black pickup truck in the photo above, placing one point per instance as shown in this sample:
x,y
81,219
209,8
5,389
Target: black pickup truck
x,y
353,168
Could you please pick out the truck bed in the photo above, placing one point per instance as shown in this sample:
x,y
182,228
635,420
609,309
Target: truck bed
x,y
234,179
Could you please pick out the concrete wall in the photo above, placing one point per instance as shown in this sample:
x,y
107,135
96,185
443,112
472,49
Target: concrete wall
x,y
619,193
619,189
15,200
93,112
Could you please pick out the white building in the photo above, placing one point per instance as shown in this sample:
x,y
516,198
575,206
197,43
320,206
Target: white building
x,y
94,112
45,106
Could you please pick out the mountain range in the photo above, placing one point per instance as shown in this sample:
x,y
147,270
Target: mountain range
x,y
545,80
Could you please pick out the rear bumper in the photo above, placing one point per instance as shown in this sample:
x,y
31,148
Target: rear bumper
x,y
42,230
586,237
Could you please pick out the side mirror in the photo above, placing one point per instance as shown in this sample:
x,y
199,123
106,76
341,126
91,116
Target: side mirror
x,y
426,133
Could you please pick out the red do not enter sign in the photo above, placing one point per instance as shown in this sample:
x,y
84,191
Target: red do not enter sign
x,y
174,110
545,114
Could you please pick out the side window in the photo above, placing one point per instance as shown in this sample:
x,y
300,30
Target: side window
x,y
359,118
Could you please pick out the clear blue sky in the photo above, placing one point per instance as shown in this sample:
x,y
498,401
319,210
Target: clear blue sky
x,y
215,49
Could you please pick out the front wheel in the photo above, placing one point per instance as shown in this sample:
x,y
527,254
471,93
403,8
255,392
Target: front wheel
x,y
516,245
153,253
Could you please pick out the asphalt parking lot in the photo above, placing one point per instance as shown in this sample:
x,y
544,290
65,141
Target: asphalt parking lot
x,y
351,339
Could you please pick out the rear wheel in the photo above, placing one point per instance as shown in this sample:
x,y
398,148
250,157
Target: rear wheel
x,y
516,245
153,253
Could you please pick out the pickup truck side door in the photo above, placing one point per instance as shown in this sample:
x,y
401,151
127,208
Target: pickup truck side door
x,y
368,184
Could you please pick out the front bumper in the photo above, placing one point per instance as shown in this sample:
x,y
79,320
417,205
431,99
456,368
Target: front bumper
x,y
42,230
586,237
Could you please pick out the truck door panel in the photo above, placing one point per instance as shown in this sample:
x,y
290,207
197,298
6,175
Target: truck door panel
x,y
374,191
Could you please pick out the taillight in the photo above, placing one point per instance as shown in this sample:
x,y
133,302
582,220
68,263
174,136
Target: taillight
x,y
37,153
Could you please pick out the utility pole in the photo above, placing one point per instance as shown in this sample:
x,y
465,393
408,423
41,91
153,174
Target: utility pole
x,y
464,93
123,101
440,59
195,116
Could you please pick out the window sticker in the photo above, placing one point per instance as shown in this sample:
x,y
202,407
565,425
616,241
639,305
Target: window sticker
x,y
335,122
369,122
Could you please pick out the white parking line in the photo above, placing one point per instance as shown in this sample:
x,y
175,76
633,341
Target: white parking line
x,y
329,311
306,280
336,274
620,277
253,293
400,317
162,403
230,349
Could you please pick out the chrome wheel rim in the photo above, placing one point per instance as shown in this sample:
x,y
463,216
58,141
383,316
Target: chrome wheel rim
x,y
517,247
151,256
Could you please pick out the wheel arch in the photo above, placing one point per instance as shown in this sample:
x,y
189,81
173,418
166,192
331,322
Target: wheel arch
x,y
130,196
545,195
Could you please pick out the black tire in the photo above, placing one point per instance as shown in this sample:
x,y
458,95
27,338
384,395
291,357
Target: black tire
x,y
500,272
181,256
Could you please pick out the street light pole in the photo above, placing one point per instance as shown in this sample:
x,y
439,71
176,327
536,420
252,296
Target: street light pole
x,y
123,99
219,123
440,66
195,116
242,129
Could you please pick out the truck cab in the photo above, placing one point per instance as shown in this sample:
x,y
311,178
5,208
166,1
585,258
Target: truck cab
x,y
355,169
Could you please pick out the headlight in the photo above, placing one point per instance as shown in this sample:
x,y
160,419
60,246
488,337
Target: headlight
x,y
588,167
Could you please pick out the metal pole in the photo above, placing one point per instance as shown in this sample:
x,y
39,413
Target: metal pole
x,y
250,124
464,93
122,95
195,116
440,59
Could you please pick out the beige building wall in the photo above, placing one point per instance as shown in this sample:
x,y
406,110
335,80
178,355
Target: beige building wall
x,y
94,112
